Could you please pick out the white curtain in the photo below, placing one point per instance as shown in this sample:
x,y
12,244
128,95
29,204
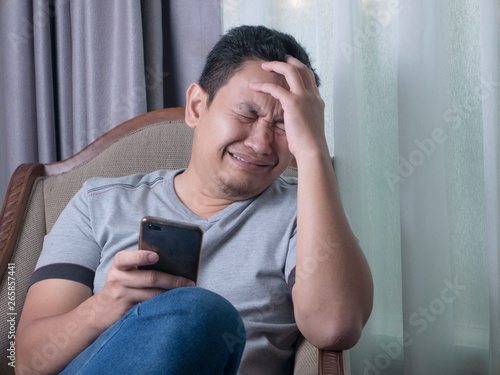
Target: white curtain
x,y
411,90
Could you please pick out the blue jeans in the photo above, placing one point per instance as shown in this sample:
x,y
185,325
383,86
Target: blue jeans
x,y
182,331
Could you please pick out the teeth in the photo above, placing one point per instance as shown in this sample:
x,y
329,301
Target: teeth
x,y
238,158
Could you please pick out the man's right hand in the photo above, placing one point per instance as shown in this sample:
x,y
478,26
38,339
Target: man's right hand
x,y
126,285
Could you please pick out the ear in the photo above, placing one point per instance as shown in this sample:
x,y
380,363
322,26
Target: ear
x,y
196,99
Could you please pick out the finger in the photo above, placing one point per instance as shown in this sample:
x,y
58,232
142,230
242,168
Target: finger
x,y
276,91
306,73
130,259
290,72
154,279
131,297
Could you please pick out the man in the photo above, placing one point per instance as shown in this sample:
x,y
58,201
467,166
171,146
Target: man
x,y
277,257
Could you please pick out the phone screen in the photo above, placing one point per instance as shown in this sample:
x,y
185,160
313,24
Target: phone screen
x,y
177,244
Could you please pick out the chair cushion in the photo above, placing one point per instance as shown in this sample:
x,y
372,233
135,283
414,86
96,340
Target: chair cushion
x,y
166,145
306,358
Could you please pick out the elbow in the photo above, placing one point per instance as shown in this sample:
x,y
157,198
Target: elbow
x,y
335,338
341,339
332,331
340,333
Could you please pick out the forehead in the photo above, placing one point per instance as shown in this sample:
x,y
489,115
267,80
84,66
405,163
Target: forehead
x,y
251,71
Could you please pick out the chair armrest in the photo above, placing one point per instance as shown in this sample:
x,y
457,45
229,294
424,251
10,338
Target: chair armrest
x,y
14,206
310,360
331,363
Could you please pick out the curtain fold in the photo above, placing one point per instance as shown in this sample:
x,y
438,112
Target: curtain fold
x,y
490,67
71,70
17,45
414,131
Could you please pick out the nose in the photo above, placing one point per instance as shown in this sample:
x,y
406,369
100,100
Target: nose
x,y
260,139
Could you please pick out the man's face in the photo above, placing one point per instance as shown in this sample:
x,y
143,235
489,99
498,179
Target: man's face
x,y
240,144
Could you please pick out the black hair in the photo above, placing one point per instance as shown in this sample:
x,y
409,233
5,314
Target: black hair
x,y
246,43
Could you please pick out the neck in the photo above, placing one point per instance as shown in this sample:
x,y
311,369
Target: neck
x,y
198,197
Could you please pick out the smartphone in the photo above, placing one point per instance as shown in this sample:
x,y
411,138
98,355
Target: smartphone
x,y
177,244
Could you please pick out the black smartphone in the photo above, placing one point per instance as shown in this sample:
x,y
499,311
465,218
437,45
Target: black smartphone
x,y
178,245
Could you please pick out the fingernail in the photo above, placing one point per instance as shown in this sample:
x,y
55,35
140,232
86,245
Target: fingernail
x,y
153,257
190,283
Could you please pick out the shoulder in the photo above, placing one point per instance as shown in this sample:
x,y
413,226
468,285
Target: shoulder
x,y
281,193
286,181
283,186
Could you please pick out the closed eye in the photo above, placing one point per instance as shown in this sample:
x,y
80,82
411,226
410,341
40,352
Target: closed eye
x,y
247,118
279,126
247,111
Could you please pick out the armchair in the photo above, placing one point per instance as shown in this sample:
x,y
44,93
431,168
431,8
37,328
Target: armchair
x,y
37,194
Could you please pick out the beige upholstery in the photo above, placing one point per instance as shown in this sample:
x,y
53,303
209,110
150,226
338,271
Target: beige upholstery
x,y
161,145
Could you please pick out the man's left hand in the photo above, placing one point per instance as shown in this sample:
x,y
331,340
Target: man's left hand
x,y
301,102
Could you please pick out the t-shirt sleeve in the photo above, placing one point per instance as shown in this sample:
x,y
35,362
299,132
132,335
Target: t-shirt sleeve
x,y
70,251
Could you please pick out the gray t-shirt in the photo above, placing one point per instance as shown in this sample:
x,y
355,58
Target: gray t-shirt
x,y
248,252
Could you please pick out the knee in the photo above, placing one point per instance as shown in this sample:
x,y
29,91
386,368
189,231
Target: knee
x,y
199,298
194,320
193,299
200,310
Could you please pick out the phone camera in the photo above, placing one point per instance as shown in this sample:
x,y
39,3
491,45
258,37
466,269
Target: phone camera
x,y
153,227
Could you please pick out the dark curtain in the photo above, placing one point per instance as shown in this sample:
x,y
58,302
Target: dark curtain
x,y
70,70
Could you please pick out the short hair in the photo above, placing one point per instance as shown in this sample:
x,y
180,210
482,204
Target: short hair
x,y
245,43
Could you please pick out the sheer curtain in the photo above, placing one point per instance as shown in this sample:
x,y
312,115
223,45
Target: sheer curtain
x,y
411,89
71,70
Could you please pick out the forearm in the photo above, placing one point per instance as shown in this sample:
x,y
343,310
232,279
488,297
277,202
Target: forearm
x,y
47,345
333,291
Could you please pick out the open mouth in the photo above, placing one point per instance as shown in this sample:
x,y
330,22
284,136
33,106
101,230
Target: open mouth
x,y
249,162
239,158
